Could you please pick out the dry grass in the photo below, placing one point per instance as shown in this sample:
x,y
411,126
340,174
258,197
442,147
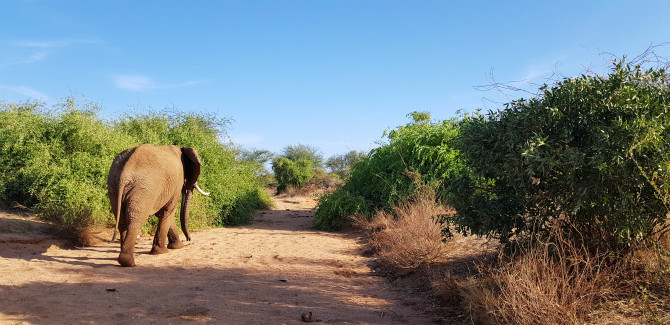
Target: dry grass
x,y
306,191
293,191
408,237
552,283
564,282
644,286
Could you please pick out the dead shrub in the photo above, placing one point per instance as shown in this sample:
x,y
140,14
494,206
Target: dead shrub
x,y
555,281
407,237
562,281
479,299
446,288
321,183
644,284
293,191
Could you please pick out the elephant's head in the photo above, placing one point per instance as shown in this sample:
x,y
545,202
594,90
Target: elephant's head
x,y
191,163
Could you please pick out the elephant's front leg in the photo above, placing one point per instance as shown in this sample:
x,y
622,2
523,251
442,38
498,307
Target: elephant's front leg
x,y
173,237
161,236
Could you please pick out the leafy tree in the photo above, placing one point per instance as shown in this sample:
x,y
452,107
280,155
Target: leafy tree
x,y
258,156
303,152
259,159
341,164
420,117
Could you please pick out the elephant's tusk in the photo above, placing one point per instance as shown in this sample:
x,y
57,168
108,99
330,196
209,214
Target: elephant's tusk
x,y
200,190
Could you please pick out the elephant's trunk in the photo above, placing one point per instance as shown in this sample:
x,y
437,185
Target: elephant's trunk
x,y
183,215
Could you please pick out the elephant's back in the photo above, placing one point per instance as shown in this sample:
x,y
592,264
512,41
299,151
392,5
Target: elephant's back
x,y
154,164
152,157
154,174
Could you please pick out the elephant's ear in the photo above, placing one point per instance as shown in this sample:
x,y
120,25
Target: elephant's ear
x,y
191,162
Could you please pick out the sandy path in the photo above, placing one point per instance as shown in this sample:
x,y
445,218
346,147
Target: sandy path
x,y
270,272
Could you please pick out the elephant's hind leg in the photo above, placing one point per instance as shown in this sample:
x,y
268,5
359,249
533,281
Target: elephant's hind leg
x,y
127,255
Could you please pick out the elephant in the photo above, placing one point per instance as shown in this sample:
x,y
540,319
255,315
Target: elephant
x,y
149,180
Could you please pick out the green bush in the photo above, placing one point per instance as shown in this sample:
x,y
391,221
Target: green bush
x,y
333,210
56,162
23,153
289,172
592,152
418,153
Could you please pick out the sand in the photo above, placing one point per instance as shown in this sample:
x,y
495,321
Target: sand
x,y
275,271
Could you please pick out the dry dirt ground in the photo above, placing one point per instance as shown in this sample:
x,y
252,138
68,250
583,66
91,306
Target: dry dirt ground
x,y
270,272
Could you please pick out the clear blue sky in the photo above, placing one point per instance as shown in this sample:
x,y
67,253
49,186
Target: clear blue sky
x,y
330,74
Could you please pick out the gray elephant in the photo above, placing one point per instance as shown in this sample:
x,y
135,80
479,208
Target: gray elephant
x,y
149,180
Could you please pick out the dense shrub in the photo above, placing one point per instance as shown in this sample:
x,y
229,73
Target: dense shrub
x,y
333,209
291,173
590,151
56,162
419,152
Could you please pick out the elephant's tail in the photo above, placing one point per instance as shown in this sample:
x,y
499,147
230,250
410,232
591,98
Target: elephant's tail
x,y
117,213
116,229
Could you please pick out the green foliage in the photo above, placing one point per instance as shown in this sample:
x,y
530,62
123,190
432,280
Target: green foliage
x,y
259,159
324,180
592,152
258,156
420,117
418,153
304,152
341,164
57,162
333,210
289,172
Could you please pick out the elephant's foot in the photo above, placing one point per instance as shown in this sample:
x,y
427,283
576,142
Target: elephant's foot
x,y
176,245
155,250
126,259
